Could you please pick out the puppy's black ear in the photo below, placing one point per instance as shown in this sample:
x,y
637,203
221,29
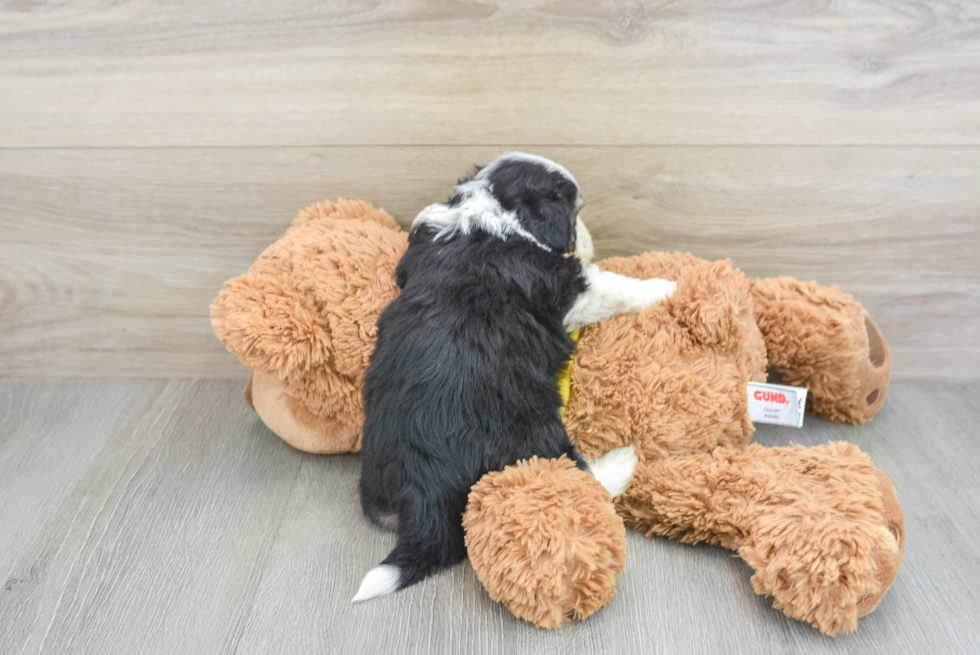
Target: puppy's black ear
x,y
550,222
544,201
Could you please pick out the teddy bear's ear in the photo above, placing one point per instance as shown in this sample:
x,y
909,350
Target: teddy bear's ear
x,y
711,300
269,324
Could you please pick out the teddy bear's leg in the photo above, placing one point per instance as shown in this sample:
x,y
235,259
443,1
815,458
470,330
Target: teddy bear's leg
x,y
545,540
821,338
820,526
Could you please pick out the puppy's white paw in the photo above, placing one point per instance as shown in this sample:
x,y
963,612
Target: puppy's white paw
x,y
614,470
655,289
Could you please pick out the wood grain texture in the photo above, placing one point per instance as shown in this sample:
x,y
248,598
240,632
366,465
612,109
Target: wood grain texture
x,y
140,524
616,72
162,517
109,258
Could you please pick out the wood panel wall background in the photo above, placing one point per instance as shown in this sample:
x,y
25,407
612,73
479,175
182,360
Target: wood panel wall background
x,y
150,150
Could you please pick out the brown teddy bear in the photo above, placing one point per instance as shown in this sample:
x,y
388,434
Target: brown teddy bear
x,y
820,526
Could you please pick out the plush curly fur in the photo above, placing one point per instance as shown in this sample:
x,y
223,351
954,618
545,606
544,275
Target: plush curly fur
x,y
819,526
665,379
567,566
307,311
669,380
819,338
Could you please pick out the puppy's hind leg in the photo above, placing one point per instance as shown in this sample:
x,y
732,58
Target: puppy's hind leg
x,y
614,470
430,538
375,504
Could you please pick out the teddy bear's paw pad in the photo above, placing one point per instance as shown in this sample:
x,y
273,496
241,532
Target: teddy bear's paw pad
x,y
889,548
821,338
877,351
614,470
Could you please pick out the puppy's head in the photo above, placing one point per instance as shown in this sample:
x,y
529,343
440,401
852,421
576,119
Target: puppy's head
x,y
516,194
542,195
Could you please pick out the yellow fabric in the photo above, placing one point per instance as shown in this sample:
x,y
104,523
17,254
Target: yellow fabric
x,y
565,376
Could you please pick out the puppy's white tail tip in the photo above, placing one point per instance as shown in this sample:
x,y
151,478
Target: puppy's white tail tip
x,y
615,469
379,581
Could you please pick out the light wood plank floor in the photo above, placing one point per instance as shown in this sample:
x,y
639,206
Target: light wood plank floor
x,y
156,516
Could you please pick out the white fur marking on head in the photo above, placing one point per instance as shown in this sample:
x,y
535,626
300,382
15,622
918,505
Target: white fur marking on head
x,y
478,210
379,581
615,469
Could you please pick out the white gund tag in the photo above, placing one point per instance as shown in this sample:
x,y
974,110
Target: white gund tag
x,y
776,404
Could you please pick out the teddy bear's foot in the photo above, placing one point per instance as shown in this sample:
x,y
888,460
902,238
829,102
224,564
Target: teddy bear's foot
x,y
821,338
820,526
837,565
887,564
545,540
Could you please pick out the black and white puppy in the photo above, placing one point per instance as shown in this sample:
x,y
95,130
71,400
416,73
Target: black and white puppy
x,y
462,379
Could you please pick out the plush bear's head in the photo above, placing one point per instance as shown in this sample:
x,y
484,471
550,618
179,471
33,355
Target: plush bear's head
x,y
304,319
